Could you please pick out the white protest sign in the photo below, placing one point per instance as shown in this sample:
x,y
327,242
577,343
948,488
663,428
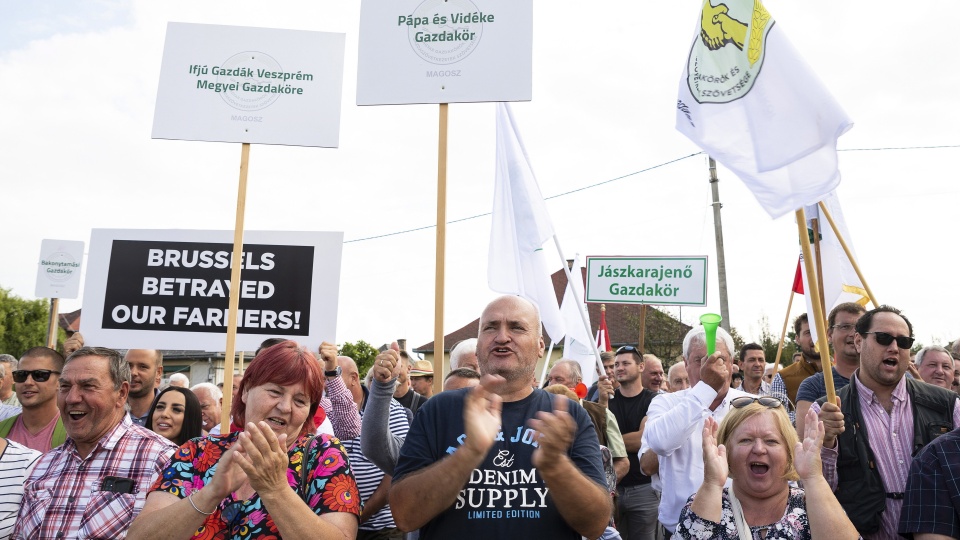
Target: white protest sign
x,y
250,85
170,289
58,272
445,51
665,281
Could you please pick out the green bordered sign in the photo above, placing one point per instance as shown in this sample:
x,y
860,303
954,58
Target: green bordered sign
x,y
665,281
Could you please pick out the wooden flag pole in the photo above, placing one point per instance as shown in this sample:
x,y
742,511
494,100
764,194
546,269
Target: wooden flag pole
x,y
783,334
815,225
52,325
846,249
438,362
814,292
228,359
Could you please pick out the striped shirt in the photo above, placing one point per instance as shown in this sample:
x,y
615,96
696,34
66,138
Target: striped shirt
x,y
63,496
368,475
890,437
15,464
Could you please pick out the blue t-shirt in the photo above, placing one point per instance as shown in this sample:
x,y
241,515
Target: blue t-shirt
x,y
813,388
505,497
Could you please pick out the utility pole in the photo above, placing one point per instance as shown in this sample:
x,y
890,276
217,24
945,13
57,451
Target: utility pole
x,y
718,233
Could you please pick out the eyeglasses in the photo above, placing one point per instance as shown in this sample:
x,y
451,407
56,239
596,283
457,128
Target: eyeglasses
x,y
844,327
883,338
630,349
766,401
39,375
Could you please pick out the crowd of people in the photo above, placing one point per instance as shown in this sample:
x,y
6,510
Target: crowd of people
x,y
95,444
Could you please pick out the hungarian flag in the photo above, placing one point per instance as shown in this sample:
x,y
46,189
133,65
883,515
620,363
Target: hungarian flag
x,y
603,335
798,277
749,101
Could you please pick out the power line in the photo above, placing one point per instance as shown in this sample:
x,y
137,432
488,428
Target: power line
x,y
628,175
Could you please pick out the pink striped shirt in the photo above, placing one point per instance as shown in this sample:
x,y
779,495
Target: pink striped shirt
x,y
890,436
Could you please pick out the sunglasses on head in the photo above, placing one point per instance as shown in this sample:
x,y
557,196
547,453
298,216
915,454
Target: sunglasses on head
x,y
883,338
766,401
629,349
39,375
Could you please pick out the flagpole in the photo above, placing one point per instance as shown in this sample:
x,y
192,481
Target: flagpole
x,y
53,323
718,233
814,292
583,316
546,364
441,251
228,358
815,224
846,249
783,335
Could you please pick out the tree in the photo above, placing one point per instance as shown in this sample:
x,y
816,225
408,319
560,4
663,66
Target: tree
x,y
771,342
23,323
362,353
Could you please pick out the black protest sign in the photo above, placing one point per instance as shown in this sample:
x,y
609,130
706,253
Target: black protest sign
x,y
185,287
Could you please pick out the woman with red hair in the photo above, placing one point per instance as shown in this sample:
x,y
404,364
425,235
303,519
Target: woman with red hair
x,y
273,479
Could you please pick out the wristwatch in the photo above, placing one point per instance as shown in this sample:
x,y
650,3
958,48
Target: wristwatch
x,y
333,373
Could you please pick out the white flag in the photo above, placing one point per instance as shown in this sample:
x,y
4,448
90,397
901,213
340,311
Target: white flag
x,y
577,343
775,128
840,281
521,225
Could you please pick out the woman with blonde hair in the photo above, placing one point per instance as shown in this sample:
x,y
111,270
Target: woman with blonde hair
x,y
757,447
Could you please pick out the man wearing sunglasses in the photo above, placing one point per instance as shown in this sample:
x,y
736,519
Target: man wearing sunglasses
x,y
39,425
675,421
884,419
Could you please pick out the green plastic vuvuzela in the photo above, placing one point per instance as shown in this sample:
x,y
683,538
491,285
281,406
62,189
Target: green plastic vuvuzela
x,y
710,322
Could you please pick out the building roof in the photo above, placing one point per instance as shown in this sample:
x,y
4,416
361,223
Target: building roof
x,y
70,322
623,321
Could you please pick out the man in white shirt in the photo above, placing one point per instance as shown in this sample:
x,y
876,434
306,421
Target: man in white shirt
x,y
675,421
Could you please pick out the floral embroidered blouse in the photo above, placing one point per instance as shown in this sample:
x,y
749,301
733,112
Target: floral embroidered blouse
x,y
330,485
792,526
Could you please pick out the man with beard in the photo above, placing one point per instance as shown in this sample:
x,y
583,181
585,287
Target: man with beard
x,y
883,420
787,382
842,322
146,371
502,459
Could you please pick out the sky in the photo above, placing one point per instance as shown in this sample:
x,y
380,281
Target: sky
x,y
80,80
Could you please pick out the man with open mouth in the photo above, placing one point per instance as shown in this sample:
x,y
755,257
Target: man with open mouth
x,y
883,420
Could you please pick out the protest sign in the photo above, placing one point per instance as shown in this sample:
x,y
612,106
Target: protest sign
x,y
170,288
444,51
58,272
665,281
250,85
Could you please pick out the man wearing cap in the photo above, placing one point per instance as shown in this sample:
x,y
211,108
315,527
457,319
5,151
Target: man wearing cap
x,y
421,378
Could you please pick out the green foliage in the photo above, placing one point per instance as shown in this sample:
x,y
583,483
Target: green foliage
x,y
738,341
362,353
23,323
